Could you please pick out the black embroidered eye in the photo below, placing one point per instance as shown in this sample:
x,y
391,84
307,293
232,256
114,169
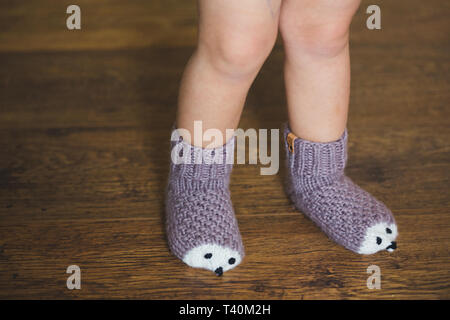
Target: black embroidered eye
x,y
388,230
208,256
379,240
231,260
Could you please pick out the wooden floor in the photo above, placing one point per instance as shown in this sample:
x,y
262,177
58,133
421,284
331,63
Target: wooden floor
x,y
85,118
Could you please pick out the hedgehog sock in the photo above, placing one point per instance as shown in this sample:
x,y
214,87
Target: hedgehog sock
x,y
201,226
319,188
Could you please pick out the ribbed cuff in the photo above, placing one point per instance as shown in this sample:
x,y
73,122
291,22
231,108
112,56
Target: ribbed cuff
x,y
202,164
307,158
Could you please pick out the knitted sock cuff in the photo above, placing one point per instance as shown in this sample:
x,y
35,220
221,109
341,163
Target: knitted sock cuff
x,y
201,164
315,158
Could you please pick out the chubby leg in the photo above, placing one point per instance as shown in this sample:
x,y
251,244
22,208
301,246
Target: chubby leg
x,y
317,68
235,38
317,74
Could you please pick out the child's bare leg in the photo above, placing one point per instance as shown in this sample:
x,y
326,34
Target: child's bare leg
x,y
317,68
317,73
235,37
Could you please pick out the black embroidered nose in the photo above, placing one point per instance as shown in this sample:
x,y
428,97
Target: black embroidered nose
x,y
219,271
392,246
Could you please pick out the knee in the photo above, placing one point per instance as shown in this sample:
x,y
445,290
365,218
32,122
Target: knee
x,y
326,35
238,55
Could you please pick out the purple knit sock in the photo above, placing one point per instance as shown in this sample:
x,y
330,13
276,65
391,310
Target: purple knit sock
x,y
201,226
319,188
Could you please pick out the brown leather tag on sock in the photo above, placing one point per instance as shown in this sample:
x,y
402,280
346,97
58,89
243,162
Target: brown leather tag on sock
x,y
290,140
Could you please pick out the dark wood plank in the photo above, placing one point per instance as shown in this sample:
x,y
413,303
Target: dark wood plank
x,y
286,258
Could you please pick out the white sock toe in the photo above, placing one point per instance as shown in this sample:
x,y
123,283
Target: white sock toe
x,y
212,257
379,237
